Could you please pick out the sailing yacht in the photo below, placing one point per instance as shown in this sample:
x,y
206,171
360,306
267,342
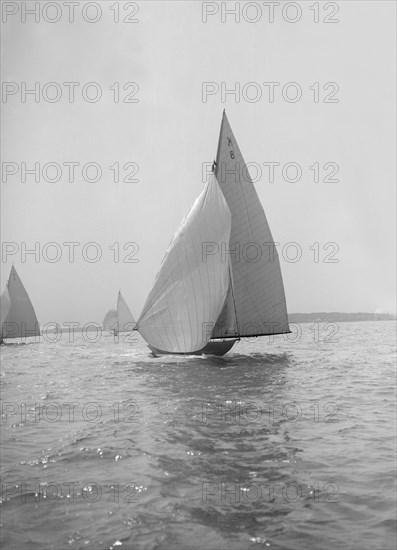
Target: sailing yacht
x,y
209,291
119,319
18,318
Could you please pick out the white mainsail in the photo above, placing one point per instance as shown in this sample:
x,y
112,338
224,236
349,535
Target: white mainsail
x,y
258,289
21,320
120,319
190,291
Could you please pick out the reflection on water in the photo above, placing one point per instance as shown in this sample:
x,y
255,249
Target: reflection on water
x,y
272,445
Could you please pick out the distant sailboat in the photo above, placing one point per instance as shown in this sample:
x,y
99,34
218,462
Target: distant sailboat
x,y
18,318
119,319
210,291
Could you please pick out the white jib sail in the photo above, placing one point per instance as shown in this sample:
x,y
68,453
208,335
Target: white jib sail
x,y
191,287
21,320
110,321
258,284
124,315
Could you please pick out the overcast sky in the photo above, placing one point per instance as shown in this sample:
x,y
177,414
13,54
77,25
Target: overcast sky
x,y
170,131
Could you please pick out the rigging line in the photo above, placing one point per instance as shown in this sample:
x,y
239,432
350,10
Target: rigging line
x,y
255,335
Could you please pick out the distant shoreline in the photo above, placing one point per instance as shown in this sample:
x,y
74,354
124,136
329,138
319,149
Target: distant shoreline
x,y
338,317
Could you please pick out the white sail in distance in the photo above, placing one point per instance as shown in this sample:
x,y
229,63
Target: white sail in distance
x,y
5,306
190,291
124,315
257,281
119,319
110,320
21,320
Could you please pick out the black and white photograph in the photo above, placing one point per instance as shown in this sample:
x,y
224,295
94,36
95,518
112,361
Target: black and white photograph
x,y
198,275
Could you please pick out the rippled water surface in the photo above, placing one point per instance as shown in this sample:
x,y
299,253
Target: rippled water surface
x,y
277,445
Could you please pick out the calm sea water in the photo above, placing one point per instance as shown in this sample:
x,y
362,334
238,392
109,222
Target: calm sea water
x,y
284,444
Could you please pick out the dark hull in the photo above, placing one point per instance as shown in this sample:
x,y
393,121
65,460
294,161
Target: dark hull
x,y
212,348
